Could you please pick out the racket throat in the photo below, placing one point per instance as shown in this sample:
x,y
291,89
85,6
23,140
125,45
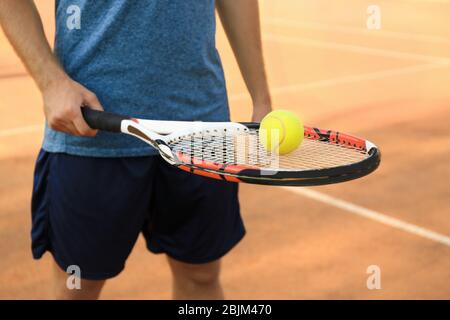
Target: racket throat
x,y
166,152
151,138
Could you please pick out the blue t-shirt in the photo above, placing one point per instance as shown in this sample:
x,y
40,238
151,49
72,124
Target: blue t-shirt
x,y
153,59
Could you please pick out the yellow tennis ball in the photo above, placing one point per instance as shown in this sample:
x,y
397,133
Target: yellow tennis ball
x,y
281,131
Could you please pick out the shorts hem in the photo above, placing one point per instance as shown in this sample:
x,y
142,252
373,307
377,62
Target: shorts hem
x,y
87,276
209,259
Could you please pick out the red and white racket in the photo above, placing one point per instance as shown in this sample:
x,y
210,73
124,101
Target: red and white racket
x,y
232,152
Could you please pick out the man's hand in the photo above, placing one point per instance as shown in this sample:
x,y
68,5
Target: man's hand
x,y
62,106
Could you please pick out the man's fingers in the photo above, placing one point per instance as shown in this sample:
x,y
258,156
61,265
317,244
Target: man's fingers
x,y
82,127
71,129
91,100
63,126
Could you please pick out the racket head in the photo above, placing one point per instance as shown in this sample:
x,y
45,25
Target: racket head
x,y
325,157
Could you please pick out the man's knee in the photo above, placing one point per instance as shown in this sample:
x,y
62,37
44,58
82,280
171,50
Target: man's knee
x,y
89,289
197,274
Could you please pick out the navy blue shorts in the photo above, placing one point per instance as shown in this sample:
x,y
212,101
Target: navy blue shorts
x,y
89,212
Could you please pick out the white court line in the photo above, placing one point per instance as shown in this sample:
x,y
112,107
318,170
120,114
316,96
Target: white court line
x,y
371,214
21,130
277,22
345,80
356,49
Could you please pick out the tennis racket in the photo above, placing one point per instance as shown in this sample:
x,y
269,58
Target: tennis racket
x,y
232,151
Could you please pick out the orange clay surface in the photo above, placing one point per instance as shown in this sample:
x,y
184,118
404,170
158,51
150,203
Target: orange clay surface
x,y
390,86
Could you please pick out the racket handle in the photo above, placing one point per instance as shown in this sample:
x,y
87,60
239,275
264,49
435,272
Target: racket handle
x,y
101,120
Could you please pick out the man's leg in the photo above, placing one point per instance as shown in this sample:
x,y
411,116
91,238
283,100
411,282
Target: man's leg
x,y
195,221
90,289
88,213
196,281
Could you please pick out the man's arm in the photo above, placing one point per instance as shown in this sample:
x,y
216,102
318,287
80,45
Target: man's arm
x,y
63,97
240,20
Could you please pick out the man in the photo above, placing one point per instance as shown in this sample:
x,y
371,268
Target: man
x,y
95,192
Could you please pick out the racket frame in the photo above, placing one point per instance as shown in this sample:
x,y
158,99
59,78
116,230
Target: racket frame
x,y
159,133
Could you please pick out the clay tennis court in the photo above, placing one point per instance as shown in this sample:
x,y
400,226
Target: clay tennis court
x,y
389,85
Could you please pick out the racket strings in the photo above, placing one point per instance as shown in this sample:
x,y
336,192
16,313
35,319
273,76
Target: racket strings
x,y
245,149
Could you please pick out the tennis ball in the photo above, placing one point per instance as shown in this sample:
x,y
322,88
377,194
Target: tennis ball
x,y
281,131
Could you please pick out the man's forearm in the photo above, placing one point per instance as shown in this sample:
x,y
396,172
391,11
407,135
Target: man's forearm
x,y
241,23
22,25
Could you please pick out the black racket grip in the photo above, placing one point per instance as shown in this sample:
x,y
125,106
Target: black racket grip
x,y
101,120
